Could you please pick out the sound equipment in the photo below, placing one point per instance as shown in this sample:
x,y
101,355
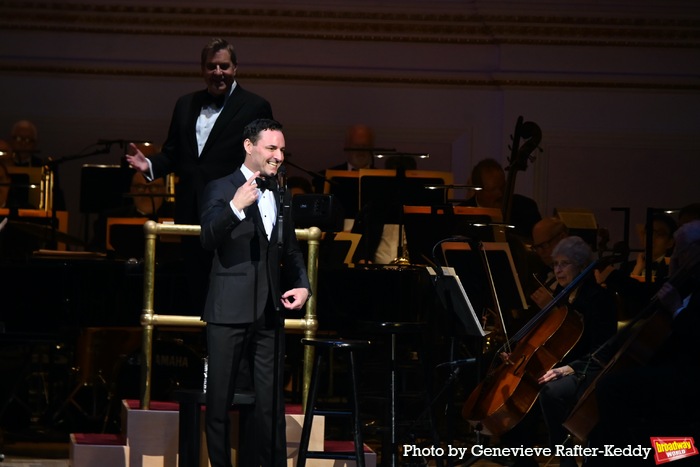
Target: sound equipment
x,y
315,210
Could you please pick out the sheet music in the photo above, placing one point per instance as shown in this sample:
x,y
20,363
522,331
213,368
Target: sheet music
x,y
450,286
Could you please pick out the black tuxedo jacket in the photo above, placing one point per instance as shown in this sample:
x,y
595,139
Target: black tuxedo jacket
x,y
246,266
222,154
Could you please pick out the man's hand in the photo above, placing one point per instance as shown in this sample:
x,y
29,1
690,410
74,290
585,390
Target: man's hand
x,y
294,299
247,193
136,159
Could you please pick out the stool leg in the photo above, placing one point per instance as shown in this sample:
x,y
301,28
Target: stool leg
x,y
310,410
359,443
393,387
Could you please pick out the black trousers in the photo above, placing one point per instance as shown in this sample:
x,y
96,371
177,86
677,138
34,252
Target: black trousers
x,y
229,345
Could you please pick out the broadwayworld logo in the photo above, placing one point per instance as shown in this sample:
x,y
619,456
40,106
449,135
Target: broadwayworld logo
x,y
673,449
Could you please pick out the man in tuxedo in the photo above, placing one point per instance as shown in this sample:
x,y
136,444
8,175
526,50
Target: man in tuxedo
x,y
247,295
204,143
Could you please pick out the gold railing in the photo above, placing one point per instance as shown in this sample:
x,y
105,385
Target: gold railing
x,y
149,319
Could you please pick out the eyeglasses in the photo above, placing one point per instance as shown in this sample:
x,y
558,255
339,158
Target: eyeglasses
x,y
143,188
561,264
24,139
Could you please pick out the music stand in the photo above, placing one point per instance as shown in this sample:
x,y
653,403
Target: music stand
x,y
27,187
427,225
456,302
383,193
469,266
344,185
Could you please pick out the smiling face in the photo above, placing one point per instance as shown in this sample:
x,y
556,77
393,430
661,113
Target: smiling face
x,y
266,154
219,72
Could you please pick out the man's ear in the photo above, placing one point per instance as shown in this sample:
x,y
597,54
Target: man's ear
x,y
248,146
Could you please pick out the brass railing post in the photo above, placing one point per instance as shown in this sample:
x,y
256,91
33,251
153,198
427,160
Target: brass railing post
x,y
149,318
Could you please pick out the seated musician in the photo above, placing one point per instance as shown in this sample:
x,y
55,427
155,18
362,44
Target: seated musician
x,y
546,235
489,174
597,308
659,398
626,280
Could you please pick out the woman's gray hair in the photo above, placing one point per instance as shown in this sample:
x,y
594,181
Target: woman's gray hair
x,y
576,250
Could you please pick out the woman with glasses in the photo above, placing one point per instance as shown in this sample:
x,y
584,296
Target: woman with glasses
x,y
564,384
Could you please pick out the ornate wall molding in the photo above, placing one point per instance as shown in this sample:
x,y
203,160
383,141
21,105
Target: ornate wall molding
x,y
556,28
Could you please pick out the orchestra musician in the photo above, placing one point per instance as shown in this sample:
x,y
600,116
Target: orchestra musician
x,y
626,281
546,235
597,308
489,175
659,398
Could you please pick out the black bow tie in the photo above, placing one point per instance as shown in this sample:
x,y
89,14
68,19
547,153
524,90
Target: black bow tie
x,y
269,183
214,101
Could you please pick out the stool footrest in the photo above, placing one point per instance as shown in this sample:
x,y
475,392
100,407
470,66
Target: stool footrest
x,y
331,455
330,413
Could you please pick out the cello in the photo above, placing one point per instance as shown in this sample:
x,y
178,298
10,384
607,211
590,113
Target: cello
x,y
633,346
509,390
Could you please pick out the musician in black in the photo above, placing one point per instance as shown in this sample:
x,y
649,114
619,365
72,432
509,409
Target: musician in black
x,y
596,306
658,399
489,175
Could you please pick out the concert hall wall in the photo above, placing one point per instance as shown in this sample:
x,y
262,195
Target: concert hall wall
x,y
614,88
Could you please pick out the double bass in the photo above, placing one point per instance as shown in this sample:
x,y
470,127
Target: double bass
x,y
509,390
519,157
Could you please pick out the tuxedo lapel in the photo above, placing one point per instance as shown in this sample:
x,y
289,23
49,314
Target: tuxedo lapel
x,y
231,108
193,114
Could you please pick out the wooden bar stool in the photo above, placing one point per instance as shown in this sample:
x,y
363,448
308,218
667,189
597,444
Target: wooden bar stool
x,y
322,347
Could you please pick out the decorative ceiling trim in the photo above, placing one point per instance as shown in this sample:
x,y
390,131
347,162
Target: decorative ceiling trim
x,y
351,25
360,79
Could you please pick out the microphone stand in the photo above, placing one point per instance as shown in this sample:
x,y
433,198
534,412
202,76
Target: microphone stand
x,y
277,394
316,175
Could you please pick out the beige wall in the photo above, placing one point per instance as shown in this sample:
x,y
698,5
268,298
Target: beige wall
x,y
615,90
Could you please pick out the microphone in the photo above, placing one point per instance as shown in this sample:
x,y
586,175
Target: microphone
x,y
282,179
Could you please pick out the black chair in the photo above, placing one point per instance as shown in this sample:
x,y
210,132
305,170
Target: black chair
x,y
323,346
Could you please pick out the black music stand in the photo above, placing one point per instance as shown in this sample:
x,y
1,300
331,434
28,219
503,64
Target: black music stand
x,y
469,265
383,193
102,188
427,225
456,302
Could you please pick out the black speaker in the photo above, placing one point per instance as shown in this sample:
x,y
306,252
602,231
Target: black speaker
x,y
315,210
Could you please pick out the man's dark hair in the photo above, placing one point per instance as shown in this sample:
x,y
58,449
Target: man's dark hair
x,y
253,129
214,46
